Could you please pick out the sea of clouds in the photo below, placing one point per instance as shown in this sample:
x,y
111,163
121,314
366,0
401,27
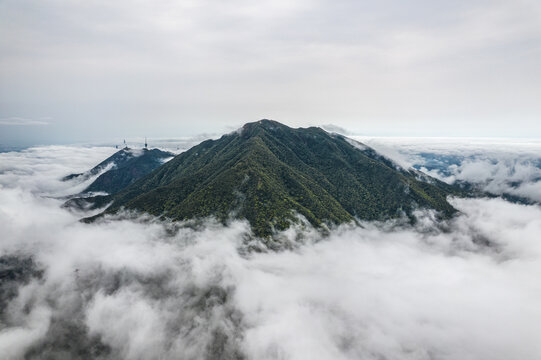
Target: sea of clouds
x,y
138,288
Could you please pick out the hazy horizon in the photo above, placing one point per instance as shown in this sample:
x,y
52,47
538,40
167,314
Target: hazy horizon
x,y
171,141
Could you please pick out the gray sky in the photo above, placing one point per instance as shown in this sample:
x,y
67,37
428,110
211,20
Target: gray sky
x,y
94,70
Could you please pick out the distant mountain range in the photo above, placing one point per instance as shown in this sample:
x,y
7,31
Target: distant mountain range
x,y
269,173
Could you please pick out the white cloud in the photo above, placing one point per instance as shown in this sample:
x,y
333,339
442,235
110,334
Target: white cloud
x,y
140,288
129,322
402,295
17,121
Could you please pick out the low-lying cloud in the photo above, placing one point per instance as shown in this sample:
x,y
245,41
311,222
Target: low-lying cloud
x,y
145,289
504,167
38,170
520,177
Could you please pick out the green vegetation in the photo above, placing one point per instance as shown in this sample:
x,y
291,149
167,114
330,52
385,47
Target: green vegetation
x,y
267,172
129,165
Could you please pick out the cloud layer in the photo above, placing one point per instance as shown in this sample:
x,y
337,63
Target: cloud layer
x,y
143,289
509,167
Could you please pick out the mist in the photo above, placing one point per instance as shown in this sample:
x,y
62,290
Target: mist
x,y
134,287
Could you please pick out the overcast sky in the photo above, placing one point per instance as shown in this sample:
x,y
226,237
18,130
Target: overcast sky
x,y
75,70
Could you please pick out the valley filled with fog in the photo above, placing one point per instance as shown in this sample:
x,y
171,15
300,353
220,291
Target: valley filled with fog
x,y
134,287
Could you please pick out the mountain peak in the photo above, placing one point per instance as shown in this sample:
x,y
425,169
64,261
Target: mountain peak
x,y
254,128
266,123
274,128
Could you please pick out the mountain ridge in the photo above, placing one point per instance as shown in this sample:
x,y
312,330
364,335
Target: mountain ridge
x,y
267,173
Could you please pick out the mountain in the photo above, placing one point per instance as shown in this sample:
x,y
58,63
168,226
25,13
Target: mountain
x,y
267,173
121,169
